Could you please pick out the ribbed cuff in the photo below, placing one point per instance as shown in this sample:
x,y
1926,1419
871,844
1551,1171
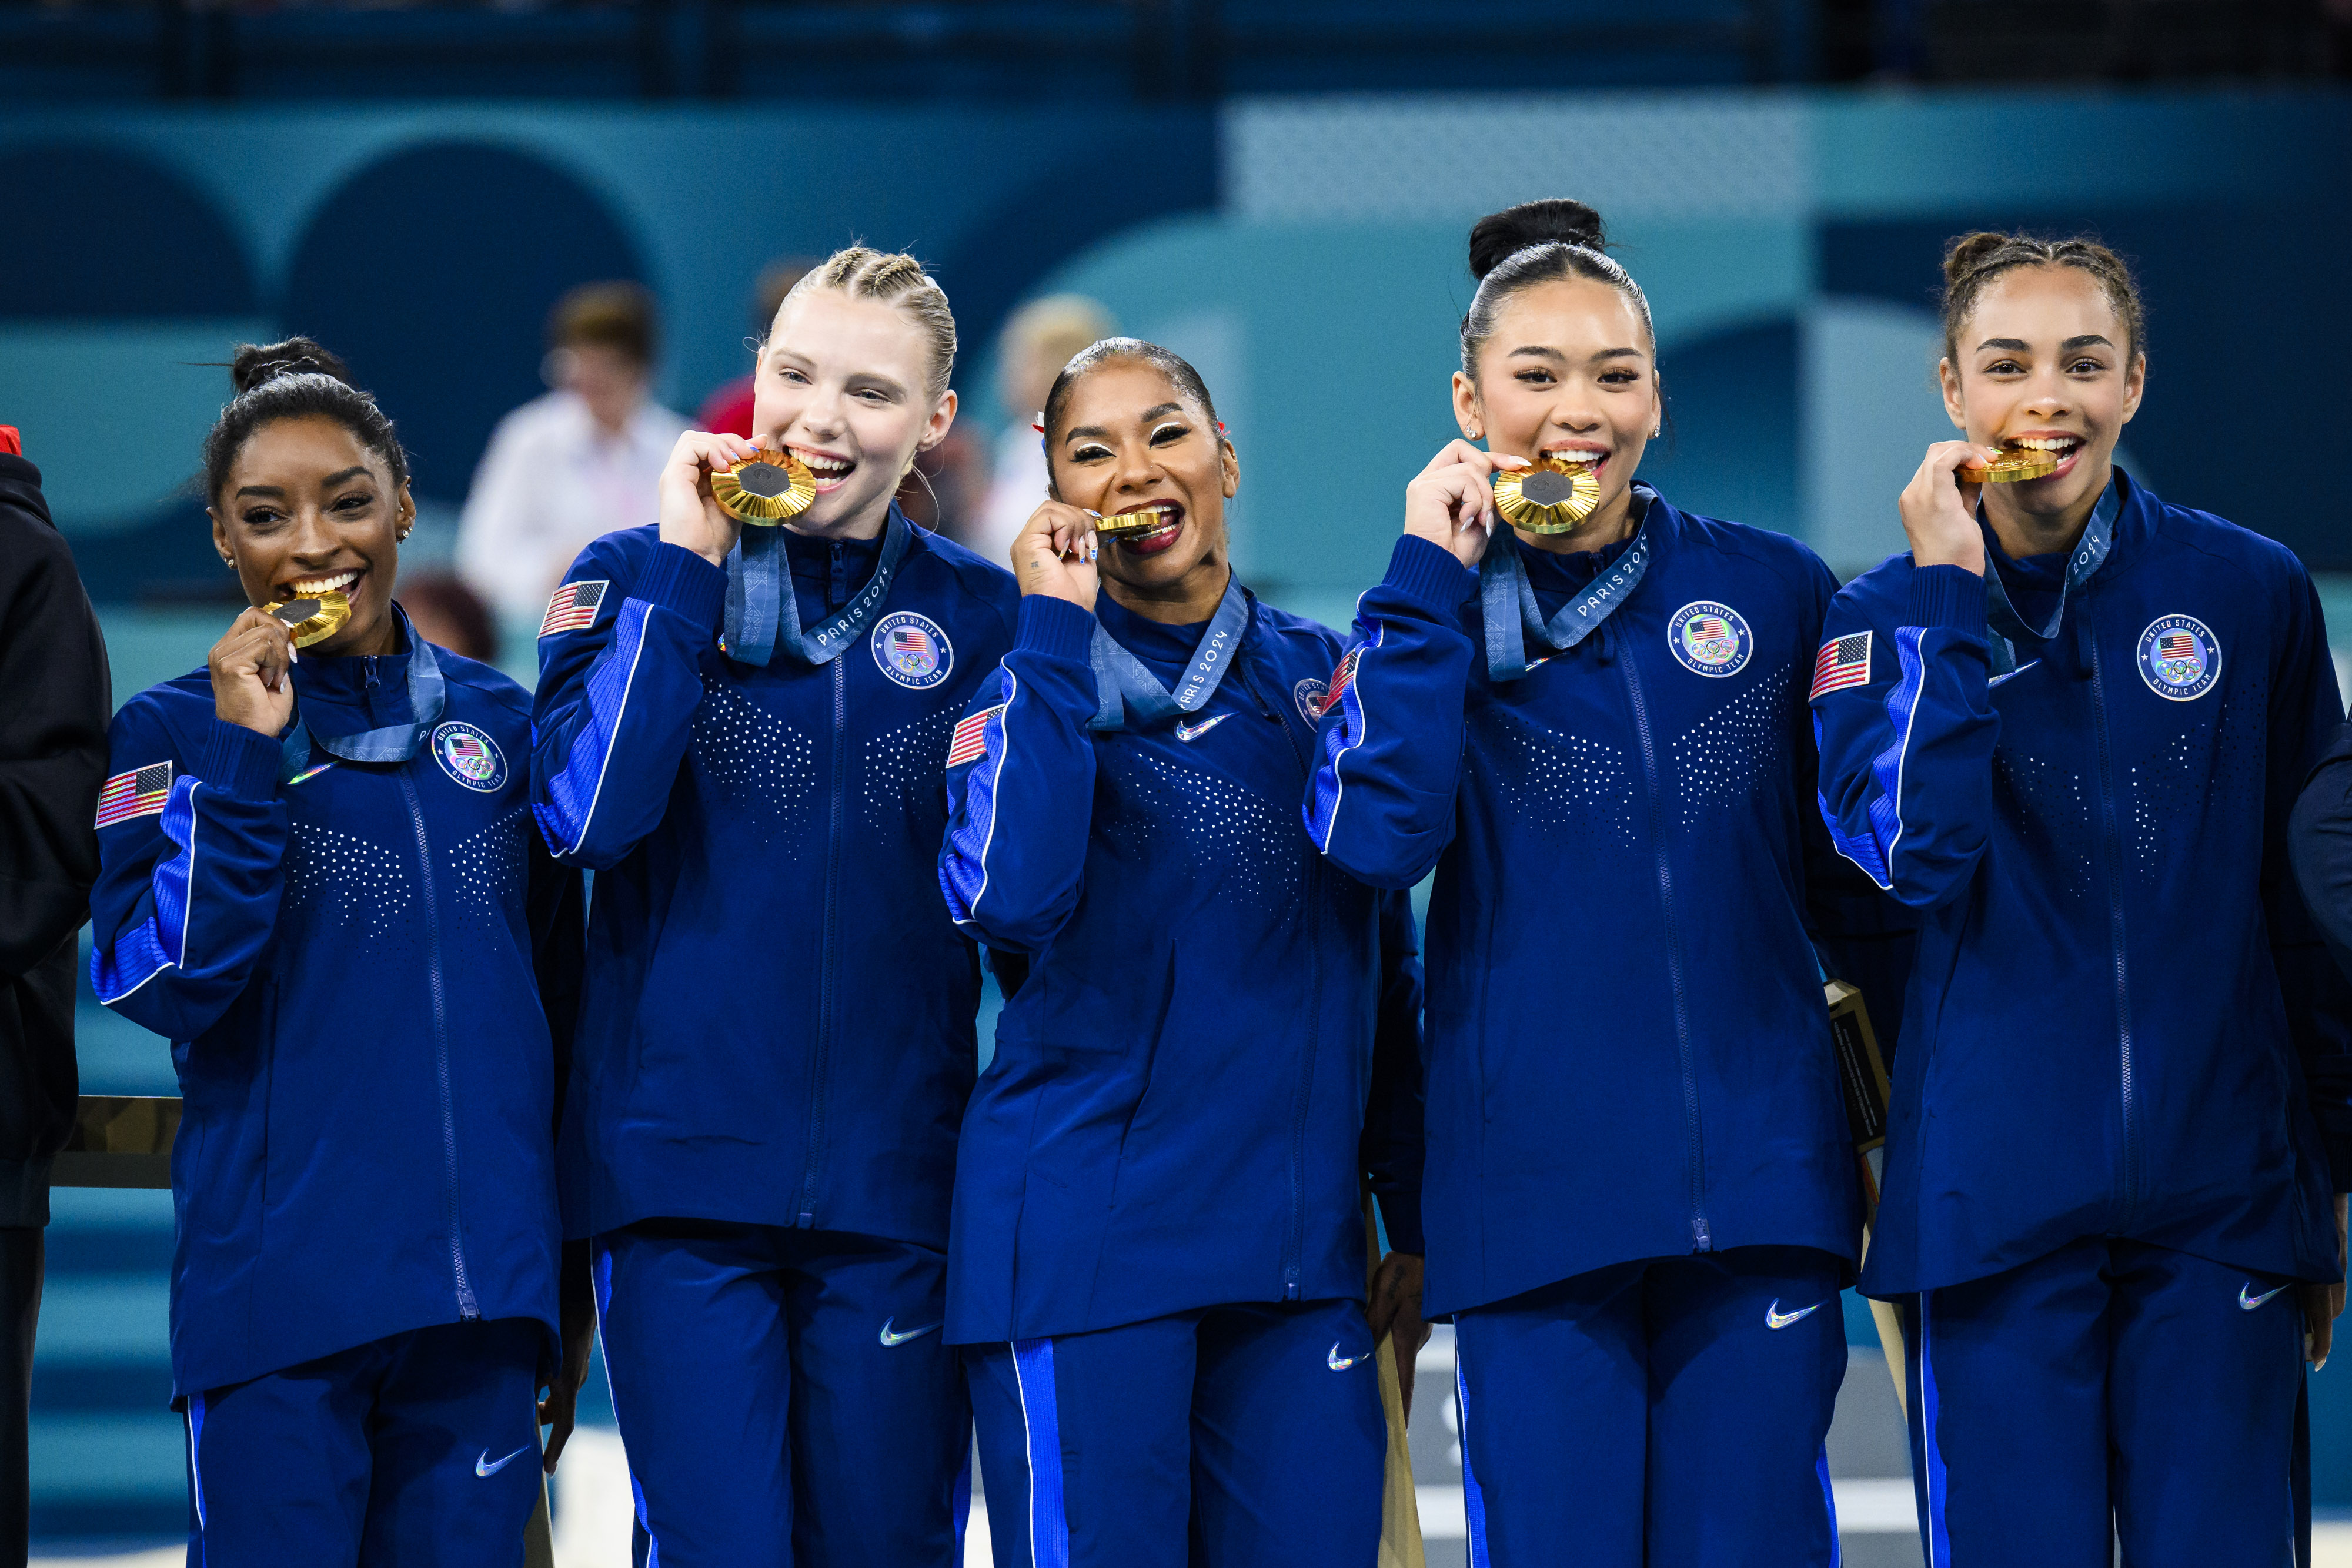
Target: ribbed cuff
x,y
1430,576
238,762
1950,596
1054,627
1400,1218
682,582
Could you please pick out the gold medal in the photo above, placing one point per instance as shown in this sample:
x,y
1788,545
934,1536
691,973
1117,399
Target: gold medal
x,y
1549,498
2014,463
764,490
315,619
1127,524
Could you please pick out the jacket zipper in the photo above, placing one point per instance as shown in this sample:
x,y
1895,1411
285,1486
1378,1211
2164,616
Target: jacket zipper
x,y
828,999
2111,843
468,1308
1303,1093
1701,1240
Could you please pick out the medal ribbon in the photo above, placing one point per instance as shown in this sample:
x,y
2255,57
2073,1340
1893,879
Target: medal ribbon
x,y
428,693
2003,625
1123,684
763,610
1506,601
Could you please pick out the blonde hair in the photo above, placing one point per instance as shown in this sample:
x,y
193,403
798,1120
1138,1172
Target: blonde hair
x,y
1057,327
896,279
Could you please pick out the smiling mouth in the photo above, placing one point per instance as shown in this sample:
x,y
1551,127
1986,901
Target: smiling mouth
x,y
830,473
1146,527
312,586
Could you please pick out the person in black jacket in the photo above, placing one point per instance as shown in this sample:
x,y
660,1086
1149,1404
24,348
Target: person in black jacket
x,y
55,697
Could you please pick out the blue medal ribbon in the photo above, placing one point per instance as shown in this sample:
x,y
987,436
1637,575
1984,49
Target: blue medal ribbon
x,y
428,693
1124,685
763,611
1506,600
2004,627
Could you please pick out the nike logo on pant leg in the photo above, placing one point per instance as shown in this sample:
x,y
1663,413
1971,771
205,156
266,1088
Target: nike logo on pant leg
x,y
485,1466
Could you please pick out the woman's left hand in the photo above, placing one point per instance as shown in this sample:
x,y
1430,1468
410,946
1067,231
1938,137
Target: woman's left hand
x,y
577,1307
2322,1305
1394,1310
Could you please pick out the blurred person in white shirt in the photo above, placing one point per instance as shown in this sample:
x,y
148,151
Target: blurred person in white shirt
x,y
1035,344
575,465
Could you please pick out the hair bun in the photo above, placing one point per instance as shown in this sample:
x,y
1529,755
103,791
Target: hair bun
x,y
1560,221
1969,252
258,364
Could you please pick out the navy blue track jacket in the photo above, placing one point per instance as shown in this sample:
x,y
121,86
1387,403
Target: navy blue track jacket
x,y
2121,1022
777,1023
349,964
1630,1054
1217,1039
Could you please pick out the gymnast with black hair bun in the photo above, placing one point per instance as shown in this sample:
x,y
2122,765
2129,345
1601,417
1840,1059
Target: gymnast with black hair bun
x,y
320,883
1584,709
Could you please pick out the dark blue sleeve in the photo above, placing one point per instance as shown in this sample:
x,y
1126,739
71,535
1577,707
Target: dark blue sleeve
x,y
1381,804
1020,785
559,954
1393,1137
1906,754
187,893
2306,715
1861,935
618,697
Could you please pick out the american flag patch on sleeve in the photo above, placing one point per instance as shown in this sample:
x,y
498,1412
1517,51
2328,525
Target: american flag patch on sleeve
x,y
137,793
970,737
574,608
1842,664
1341,675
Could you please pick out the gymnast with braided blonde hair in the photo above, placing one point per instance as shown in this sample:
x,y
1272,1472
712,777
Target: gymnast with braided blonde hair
x,y
743,729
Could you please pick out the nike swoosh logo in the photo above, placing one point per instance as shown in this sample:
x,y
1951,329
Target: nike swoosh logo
x,y
1774,1318
1195,731
308,774
2251,1302
1338,1363
890,1338
483,1467
2012,674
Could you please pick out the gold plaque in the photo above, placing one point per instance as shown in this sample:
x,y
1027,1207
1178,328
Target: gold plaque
x,y
1550,497
1127,524
764,490
2016,463
314,619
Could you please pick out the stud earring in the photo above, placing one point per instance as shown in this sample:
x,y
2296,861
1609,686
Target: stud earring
x,y
1477,434
1657,430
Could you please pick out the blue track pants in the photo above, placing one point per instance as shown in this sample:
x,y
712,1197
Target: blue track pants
x,y
1234,1437
784,1397
2109,1386
1661,1413
420,1450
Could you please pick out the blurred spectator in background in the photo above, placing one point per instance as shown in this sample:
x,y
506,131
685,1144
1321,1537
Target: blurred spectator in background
x,y
1035,344
575,465
448,614
55,697
728,410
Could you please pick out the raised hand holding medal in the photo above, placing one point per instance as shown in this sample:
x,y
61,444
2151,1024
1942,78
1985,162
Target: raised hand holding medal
x,y
691,515
1451,503
1056,553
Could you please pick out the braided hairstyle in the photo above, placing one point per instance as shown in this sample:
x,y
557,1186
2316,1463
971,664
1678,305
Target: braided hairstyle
x,y
1973,261
1540,242
896,279
295,379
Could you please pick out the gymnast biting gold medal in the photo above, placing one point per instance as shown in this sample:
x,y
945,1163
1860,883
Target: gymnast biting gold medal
x,y
314,616
764,490
2015,462
1548,496
1141,520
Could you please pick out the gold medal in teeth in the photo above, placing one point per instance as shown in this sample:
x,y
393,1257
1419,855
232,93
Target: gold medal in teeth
x,y
764,490
2014,463
1549,497
1127,524
314,616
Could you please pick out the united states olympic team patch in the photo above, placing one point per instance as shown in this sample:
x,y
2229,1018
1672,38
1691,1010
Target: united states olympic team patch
x,y
912,650
468,755
1710,639
2179,658
1313,697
